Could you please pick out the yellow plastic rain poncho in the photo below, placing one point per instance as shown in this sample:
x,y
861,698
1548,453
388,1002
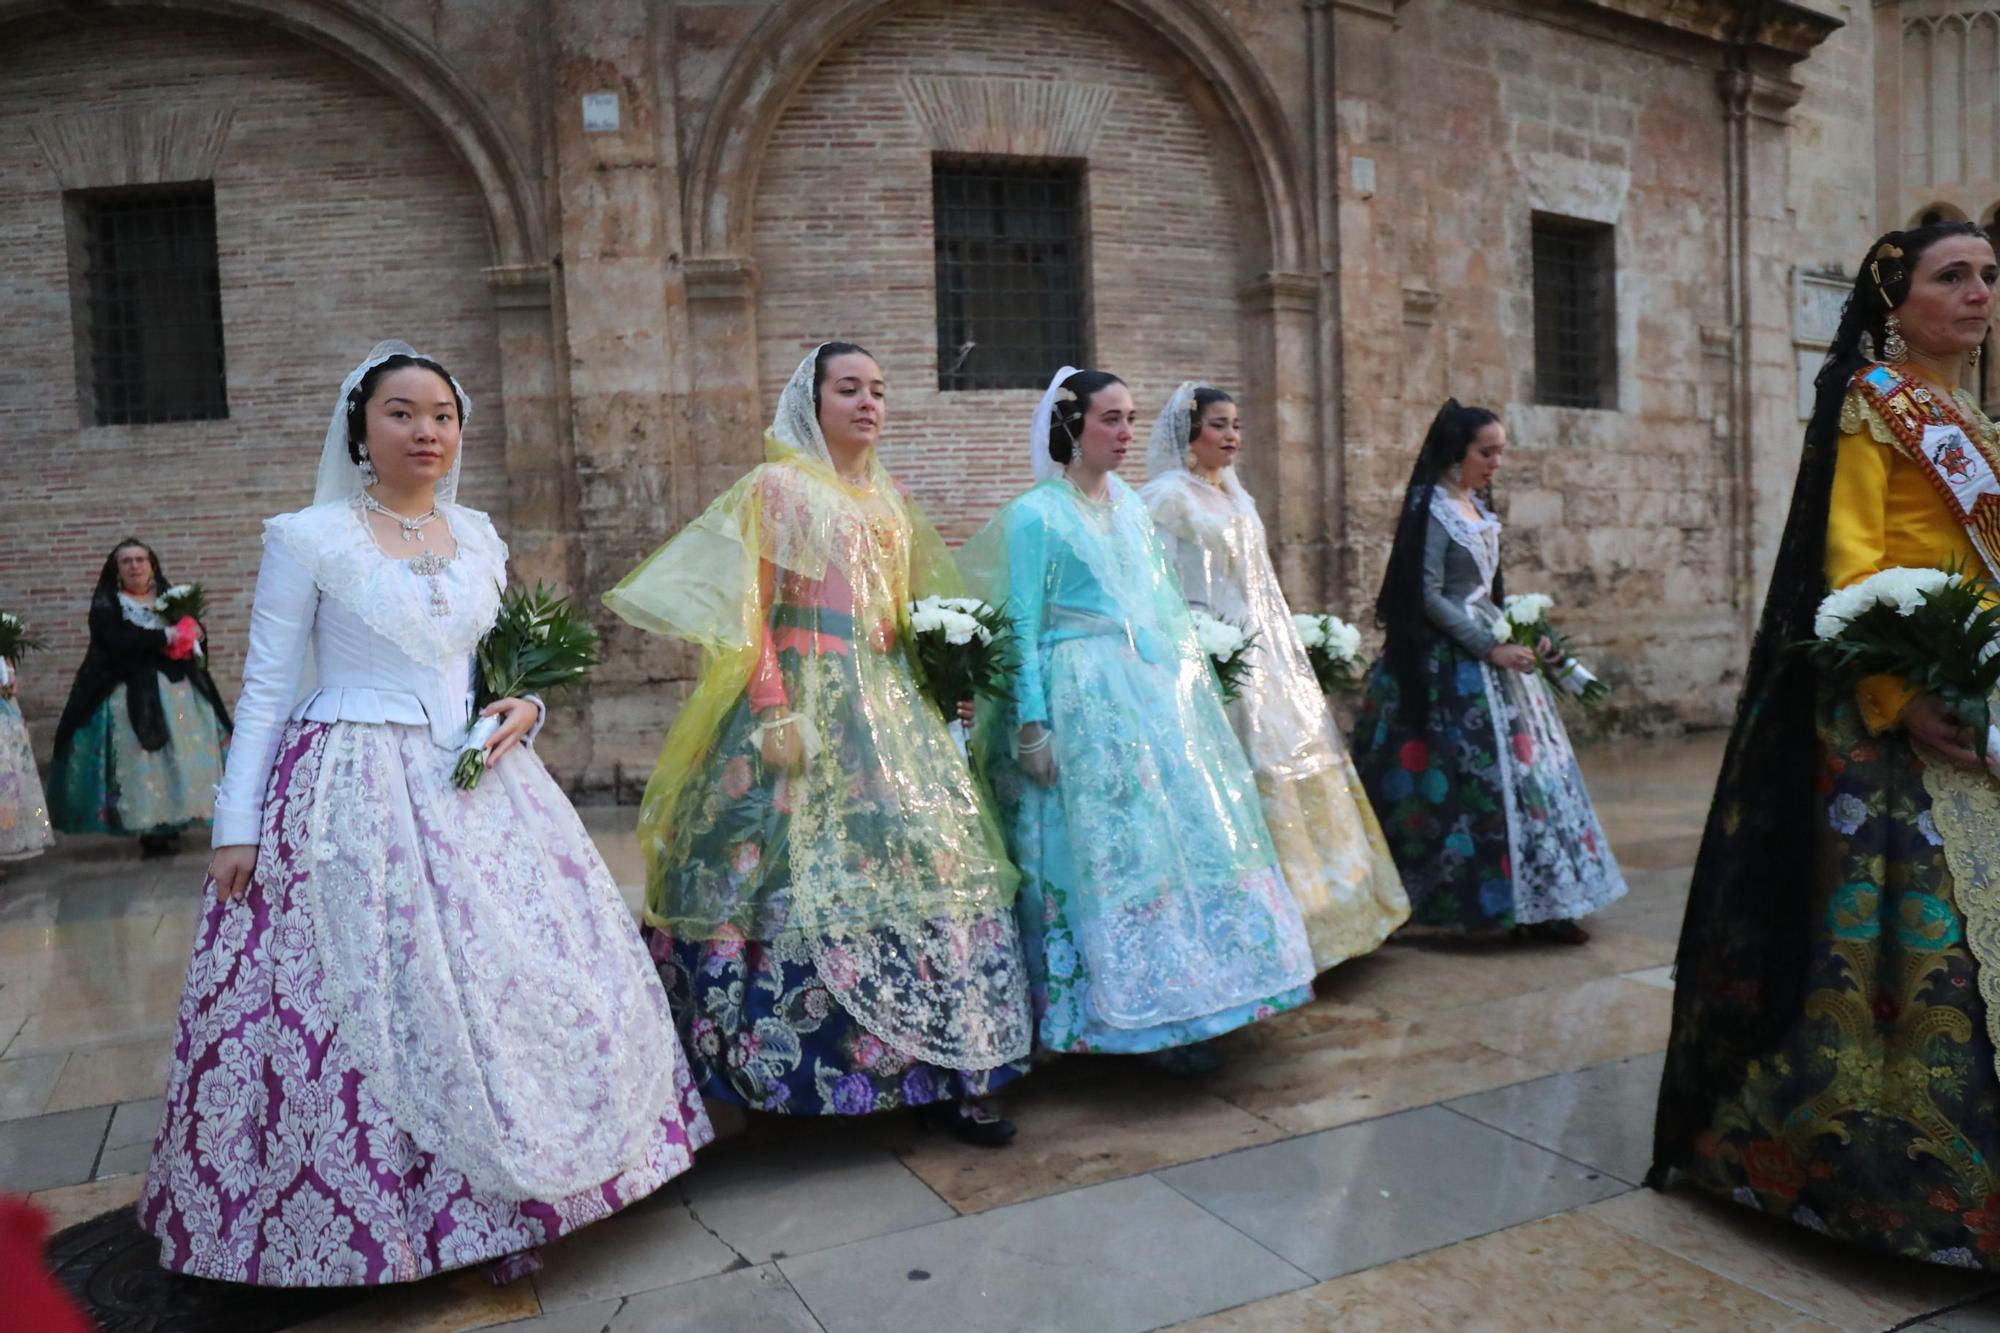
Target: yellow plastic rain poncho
x,y
875,860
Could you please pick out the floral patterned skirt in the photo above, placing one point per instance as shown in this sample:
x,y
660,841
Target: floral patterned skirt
x,y
279,1161
104,781
808,1024
1482,803
24,812
763,1031
1152,908
1877,1118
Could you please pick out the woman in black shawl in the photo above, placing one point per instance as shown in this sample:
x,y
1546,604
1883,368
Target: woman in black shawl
x,y
1832,1058
139,747
1457,739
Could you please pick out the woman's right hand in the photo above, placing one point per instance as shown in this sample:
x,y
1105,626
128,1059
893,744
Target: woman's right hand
x,y
1930,720
1512,657
1034,750
782,747
230,868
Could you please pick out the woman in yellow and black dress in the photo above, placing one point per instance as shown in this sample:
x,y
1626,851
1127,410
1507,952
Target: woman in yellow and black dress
x,y
1832,1059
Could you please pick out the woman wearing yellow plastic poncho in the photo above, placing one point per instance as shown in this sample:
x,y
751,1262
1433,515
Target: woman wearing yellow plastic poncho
x,y
827,895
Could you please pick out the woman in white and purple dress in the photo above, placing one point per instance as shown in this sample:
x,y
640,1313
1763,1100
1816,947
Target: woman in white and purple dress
x,y
418,1031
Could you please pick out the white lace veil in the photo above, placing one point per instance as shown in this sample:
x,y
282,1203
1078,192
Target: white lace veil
x,y
796,423
339,474
1039,460
1167,446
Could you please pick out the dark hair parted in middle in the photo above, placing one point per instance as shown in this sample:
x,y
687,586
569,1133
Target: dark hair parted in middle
x,y
358,396
1204,398
1066,422
826,353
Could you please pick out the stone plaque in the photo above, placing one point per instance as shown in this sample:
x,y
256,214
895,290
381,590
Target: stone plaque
x,y
1816,302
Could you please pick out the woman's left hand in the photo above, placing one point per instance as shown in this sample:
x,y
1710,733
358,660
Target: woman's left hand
x,y
965,711
1545,648
517,719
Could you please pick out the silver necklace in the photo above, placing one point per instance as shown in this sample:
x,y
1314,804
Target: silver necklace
x,y
413,528
430,565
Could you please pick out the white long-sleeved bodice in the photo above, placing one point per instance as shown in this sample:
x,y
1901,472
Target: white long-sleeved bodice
x,y
342,632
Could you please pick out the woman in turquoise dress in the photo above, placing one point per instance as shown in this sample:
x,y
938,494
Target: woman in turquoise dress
x,y
140,744
1153,910
828,897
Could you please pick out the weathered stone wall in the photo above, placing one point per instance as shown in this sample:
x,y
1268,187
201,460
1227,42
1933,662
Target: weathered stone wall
x,y
341,219
844,237
1325,205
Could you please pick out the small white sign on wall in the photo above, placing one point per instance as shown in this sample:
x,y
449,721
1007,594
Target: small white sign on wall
x,y
1816,302
600,113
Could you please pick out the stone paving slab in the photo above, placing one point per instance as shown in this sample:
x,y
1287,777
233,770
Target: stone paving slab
x,y
1365,1194
1601,1116
1122,1257
832,1194
50,1150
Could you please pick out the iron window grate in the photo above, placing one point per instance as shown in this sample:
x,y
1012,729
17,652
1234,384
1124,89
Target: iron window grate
x,y
1011,297
1576,326
152,305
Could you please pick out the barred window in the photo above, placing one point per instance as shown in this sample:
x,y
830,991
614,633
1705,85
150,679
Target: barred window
x,y
148,304
1011,297
1576,313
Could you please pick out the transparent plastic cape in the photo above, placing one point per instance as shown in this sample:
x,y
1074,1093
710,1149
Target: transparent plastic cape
x,y
877,857
1217,546
1180,908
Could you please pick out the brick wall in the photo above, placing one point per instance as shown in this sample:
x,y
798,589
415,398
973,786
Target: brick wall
x,y
341,219
844,236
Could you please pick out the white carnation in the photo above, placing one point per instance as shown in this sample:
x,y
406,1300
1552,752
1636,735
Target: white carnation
x,y
1529,608
1901,589
1218,638
1343,639
1312,630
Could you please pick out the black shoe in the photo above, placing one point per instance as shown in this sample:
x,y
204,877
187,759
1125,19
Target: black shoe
x,y
970,1121
159,844
1195,1060
1564,931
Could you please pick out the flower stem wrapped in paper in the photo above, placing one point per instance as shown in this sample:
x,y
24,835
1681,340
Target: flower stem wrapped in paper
x,y
1524,620
963,649
1333,648
538,646
1936,629
1228,650
182,607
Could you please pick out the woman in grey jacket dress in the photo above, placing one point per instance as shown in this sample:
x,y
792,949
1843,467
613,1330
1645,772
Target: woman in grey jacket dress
x,y
1457,739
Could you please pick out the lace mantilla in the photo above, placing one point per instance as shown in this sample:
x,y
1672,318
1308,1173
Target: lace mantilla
x,y
1481,537
1965,806
334,543
145,615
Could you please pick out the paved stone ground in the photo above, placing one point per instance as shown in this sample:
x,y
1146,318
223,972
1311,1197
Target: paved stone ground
x,y
1451,1137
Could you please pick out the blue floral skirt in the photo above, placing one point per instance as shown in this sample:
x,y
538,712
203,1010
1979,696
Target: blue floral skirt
x,y
104,781
766,1033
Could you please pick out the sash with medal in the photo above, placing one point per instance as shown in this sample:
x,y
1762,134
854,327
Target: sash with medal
x,y
1935,435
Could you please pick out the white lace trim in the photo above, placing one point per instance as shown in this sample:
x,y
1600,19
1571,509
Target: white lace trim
x,y
1481,537
334,543
480,963
146,615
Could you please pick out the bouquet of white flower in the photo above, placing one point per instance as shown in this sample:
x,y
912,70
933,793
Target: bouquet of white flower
x,y
182,607
963,649
1334,648
537,645
1937,629
1524,620
15,640
1228,649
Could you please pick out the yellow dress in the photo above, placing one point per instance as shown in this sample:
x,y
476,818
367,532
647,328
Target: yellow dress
x,y
1884,514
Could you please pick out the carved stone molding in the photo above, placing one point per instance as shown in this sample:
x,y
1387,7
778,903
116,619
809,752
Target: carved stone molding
x,y
1297,293
134,146
1783,28
720,277
1015,117
520,286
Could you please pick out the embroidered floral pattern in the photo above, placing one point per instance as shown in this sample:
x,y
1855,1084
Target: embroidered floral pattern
x,y
278,1162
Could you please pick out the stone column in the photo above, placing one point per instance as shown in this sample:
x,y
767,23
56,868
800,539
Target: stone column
x,y
1283,356
617,238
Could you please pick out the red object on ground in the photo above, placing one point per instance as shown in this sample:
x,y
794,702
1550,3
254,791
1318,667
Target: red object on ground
x,y
34,1299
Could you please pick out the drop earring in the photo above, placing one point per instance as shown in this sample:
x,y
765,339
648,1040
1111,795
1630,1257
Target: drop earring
x,y
368,477
1893,346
